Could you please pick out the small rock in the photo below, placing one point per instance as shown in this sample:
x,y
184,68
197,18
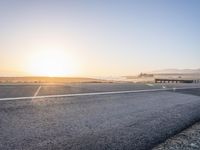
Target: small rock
x,y
194,145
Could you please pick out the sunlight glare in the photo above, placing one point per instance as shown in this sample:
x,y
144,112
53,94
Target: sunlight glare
x,y
51,63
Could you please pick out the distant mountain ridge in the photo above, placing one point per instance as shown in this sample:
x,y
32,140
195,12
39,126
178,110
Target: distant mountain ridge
x,y
177,71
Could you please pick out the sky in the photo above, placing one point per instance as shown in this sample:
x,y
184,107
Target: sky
x,y
98,37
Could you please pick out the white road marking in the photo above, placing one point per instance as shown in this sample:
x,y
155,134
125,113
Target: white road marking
x,y
95,93
38,89
150,85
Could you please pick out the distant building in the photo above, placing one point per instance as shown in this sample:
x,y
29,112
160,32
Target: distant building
x,y
145,75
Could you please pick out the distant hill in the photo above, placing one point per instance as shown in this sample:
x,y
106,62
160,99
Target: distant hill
x,y
177,71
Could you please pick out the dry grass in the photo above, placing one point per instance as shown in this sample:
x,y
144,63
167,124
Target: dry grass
x,y
48,80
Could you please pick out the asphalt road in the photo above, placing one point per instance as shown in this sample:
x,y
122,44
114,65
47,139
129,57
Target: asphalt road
x,y
115,121
21,90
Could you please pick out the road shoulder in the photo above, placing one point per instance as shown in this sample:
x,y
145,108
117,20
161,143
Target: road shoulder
x,y
188,139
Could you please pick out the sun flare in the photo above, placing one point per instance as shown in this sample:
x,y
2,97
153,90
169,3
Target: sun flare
x,y
51,63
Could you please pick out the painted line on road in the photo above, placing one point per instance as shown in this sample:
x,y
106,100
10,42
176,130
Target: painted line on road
x,y
150,84
37,91
96,93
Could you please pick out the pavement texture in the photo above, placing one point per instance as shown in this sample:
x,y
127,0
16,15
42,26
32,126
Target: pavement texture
x,y
190,91
17,90
188,139
21,90
135,121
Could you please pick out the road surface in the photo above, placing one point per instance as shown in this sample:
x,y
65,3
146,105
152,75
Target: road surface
x,y
88,122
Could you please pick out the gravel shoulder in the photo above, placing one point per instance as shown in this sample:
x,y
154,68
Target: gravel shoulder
x,y
188,139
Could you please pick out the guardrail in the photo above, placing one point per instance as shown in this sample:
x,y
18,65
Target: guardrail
x,y
177,80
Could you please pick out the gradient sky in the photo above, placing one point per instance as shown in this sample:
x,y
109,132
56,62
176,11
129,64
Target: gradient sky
x,y
105,37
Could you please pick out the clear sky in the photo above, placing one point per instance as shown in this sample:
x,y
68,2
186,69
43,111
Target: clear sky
x,y
98,38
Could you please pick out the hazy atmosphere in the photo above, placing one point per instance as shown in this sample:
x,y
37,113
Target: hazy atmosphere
x,y
99,74
97,38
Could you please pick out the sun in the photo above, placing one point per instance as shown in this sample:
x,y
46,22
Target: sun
x,y
52,63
